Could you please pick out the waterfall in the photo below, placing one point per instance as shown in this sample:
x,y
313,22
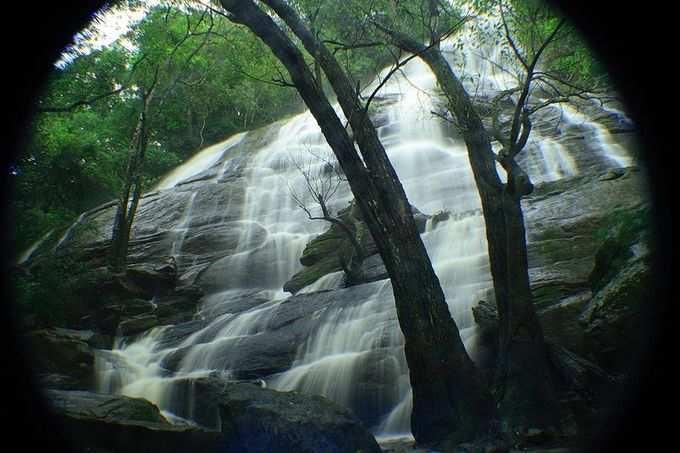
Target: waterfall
x,y
353,353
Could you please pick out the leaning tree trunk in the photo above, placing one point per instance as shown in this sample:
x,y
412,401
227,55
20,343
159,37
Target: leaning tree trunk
x,y
523,384
449,396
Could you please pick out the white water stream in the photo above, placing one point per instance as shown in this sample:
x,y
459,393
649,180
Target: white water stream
x,y
350,340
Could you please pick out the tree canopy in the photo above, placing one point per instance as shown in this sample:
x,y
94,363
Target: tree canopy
x,y
219,81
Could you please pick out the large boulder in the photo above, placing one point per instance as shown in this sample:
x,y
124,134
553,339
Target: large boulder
x,y
64,358
255,419
98,422
613,321
561,324
327,252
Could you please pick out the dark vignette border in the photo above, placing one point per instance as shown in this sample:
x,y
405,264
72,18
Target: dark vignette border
x,y
633,40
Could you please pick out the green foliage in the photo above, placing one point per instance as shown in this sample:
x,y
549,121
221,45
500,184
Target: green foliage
x,y
213,79
622,230
56,292
346,28
531,22
626,225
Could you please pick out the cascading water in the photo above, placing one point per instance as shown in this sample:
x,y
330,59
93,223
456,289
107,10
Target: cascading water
x,y
353,354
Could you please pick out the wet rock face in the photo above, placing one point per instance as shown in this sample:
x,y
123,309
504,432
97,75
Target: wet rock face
x,y
255,419
567,222
271,350
590,266
201,227
614,322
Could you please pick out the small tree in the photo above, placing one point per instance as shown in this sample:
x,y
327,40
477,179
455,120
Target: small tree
x,y
323,177
133,184
166,71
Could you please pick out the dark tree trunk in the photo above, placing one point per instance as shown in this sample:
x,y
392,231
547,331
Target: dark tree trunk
x,y
121,222
523,383
523,376
132,192
449,396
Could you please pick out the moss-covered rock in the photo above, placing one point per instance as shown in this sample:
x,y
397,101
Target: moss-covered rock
x,y
623,232
620,281
327,252
567,223
105,407
613,322
309,275
64,357
323,246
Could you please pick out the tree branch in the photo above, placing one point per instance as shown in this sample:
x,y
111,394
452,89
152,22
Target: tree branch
x,y
96,98
81,102
340,46
508,37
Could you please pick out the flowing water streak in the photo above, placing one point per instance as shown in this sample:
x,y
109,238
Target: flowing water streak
x,y
545,159
130,369
271,258
328,282
212,347
180,231
274,229
616,153
350,342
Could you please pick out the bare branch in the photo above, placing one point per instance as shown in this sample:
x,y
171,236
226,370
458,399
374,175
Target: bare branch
x,y
508,37
546,43
81,102
340,46
382,83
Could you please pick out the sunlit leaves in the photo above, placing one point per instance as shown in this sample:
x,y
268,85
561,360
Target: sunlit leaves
x,y
212,82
